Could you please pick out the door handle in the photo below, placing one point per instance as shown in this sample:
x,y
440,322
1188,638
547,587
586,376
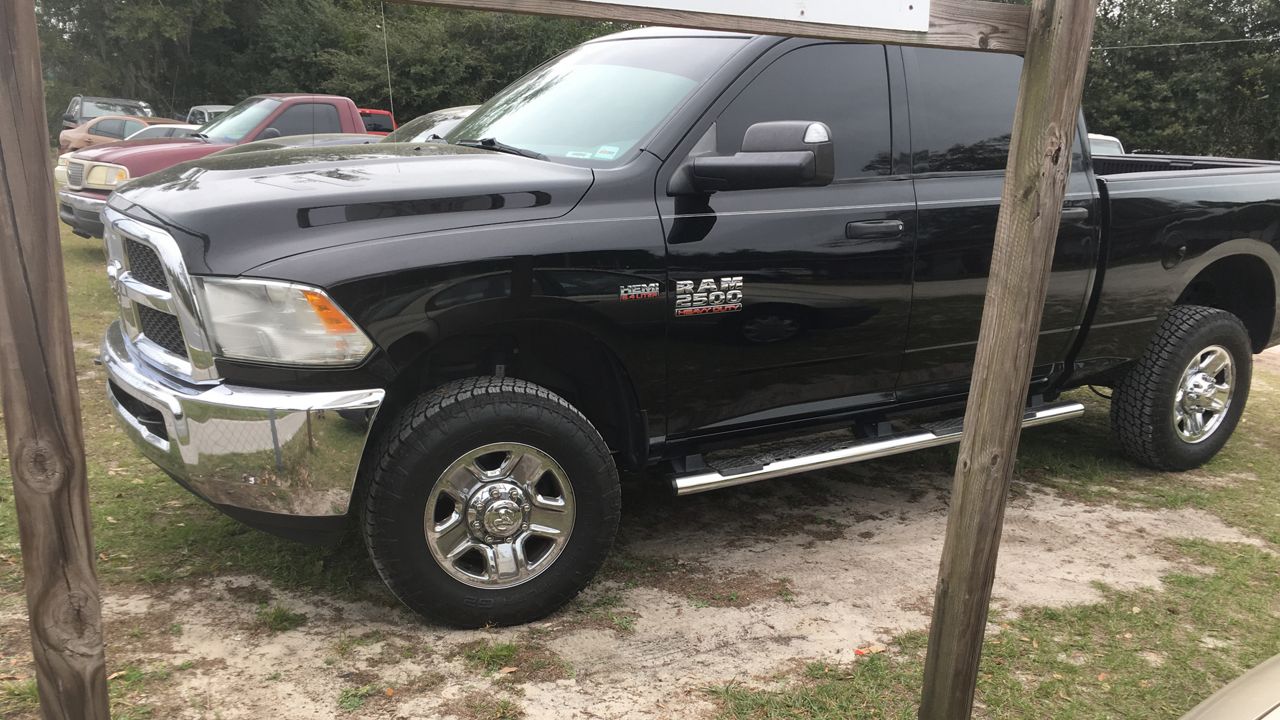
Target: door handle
x,y
1075,214
874,229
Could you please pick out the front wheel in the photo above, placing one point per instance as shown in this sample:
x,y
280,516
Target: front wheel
x,y
494,503
1179,404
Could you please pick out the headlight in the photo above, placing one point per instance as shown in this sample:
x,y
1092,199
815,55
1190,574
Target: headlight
x,y
278,322
106,176
62,159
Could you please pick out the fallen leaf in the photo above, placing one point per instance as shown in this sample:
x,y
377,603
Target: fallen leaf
x,y
1102,677
507,670
390,692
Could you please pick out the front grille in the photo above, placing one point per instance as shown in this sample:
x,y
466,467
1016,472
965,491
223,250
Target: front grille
x,y
75,174
161,329
144,264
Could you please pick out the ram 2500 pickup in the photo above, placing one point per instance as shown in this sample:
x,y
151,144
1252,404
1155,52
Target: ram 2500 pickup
x,y
92,174
714,257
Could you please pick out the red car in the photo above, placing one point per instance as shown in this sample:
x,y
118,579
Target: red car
x,y
378,122
93,174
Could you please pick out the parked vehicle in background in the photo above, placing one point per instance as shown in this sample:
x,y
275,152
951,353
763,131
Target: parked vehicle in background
x,y
420,129
432,126
1252,696
176,130
203,114
377,122
93,174
1105,145
106,129
715,257
86,107
297,141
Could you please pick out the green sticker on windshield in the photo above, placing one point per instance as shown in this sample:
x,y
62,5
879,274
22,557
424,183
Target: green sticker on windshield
x,y
607,152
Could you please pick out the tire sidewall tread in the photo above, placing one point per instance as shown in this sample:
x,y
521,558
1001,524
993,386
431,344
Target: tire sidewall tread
x,y
431,434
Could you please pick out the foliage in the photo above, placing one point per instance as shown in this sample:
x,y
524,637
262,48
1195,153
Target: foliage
x,y
179,53
1216,99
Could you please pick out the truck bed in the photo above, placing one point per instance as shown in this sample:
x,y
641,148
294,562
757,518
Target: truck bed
x,y
1106,165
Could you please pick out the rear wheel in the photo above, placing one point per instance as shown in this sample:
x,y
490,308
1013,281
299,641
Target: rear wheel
x,y
1181,401
494,503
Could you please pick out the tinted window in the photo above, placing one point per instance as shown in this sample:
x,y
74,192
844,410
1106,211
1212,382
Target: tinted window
x,y
239,120
132,126
308,119
962,106
108,128
844,86
377,123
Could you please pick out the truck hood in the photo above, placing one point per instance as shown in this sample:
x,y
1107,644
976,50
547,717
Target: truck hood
x,y
233,213
143,157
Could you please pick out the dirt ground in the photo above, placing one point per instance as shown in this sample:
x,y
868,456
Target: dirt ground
x,y
743,585
845,565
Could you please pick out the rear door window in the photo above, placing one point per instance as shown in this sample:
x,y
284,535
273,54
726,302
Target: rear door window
x,y
112,128
957,124
132,126
308,119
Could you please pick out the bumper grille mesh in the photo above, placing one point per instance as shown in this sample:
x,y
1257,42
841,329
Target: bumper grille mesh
x,y
75,174
162,329
145,265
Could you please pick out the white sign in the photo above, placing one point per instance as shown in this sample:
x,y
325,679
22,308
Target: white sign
x,y
886,14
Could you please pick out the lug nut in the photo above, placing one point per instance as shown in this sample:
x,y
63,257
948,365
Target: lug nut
x,y
524,526
475,524
526,507
488,539
494,493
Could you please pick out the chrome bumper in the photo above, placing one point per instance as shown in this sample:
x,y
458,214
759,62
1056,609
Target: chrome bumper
x,y
82,213
80,202
276,452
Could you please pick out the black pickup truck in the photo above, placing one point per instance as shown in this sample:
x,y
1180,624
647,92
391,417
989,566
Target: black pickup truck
x,y
714,258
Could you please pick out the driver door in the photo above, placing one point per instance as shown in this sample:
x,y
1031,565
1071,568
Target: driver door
x,y
824,273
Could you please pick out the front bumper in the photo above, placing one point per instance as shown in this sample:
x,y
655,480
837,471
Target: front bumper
x,y
81,212
260,455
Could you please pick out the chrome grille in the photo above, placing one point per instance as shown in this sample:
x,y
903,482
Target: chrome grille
x,y
144,264
158,309
162,329
75,174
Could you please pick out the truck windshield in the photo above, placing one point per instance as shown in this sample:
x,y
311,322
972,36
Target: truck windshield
x,y
233,125
598,103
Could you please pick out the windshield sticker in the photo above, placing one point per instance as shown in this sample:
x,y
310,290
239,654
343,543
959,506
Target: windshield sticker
x,y
579,154
608,152
708,297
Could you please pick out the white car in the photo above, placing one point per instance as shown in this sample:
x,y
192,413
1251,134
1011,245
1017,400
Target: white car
x,y
164,131
1105,145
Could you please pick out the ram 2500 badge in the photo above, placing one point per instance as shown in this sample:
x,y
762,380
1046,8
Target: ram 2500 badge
x,y
720,258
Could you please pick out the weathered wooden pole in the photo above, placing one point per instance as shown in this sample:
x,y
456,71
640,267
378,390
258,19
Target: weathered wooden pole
x,y
41,401
1035,185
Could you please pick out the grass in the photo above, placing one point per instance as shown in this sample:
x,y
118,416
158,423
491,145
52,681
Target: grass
x,y
352,699
277,619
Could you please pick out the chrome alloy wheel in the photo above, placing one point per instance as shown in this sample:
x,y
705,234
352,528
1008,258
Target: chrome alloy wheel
x,y
1204,396
499,515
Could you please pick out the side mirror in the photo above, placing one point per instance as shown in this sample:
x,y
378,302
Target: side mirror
x,y
69,120
269,134
774,155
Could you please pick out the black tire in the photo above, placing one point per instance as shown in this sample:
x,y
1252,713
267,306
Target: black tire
x,y
1143,406
428,438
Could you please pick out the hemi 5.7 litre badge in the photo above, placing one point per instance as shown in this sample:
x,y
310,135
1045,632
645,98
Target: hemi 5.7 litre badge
x,y
708,296
640,291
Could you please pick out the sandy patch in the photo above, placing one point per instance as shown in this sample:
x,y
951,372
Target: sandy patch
x,y
848,562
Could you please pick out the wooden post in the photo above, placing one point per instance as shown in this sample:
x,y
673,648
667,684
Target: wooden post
x,y
41,401
1030,212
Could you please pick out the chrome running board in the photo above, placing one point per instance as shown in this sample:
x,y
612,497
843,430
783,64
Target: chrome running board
x,y
931,436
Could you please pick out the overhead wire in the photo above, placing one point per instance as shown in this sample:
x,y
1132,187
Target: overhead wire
x,y
1271,38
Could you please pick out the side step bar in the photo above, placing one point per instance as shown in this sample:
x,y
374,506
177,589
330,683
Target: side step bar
x,y
943,434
